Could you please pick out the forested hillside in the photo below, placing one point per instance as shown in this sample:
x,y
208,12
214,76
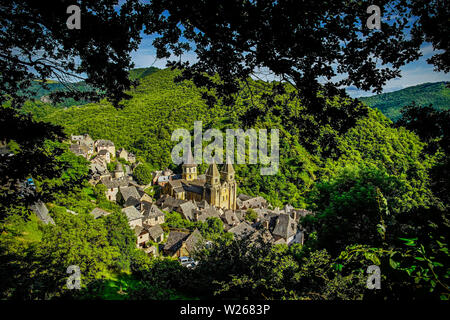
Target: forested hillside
x,y
437,94
375,189
311,146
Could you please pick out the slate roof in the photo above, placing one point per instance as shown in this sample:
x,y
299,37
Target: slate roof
x,y
187,209
256,202
271,218
132,213
240,214
192,187
155,232
208,213
280,241
146,198
242,230
230,218
193,242
104,143
162,199
264,234
114,183
227,168
130,192
175,184
79,149
170,202
202,204
97,213
138,230
132,202
243,197
178,190
175,241
96,167
103,152
153,212
285,227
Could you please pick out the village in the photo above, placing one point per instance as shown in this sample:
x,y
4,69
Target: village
x,y
195,197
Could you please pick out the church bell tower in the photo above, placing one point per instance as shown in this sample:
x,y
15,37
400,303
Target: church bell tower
x,y
189,168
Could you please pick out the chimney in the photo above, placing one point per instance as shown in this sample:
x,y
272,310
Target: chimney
x,y
266,224
196,215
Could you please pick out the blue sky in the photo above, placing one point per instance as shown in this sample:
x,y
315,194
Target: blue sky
x,y
414,73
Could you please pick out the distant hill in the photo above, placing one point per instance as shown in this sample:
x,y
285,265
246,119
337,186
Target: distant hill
x,y
53,86
391,103
40,104
140,73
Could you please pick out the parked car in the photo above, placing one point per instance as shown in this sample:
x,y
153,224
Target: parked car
x,y
191,265
184,260
187,262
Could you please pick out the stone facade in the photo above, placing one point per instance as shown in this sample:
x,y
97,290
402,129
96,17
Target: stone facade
x,y
217,188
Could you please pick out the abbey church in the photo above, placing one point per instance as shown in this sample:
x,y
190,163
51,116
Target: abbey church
x,y
217,188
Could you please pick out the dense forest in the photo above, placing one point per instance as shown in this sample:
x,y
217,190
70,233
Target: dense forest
x,y
311,147
376,189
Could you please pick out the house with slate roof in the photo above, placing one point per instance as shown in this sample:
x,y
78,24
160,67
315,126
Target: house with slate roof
x,y
286,229
156,233
187,210
146,201
112,186
122,153
134,217
242,230
80,150
229,219
182,244
251,203
128,196
142,236
107,145
153,216
202,215
104,155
